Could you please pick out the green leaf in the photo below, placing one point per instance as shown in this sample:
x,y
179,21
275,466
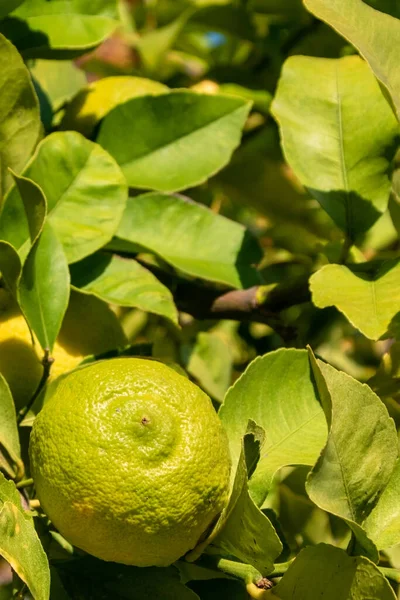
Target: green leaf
x,y
10,266
44,287
383,523
242,529
60,80
57,29
8,6
338,146
154,45
173,154
277,392
209,361
85,201
97,99
124,282
394,204
19,543
9,439
327,572
372,32
368,294
191,238
20,126
359,457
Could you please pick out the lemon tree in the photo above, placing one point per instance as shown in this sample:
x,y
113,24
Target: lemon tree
x,y
199,300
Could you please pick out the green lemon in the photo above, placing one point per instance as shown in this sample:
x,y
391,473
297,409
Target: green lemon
x,y
130,461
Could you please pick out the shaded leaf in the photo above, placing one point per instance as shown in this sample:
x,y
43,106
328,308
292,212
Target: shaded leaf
x,y
60,80
372,32
44,287
394,204
8,6
123,282
242,529
359,457
173,154
9,439
19,543
383,523
368,294
10,266
38,27
85,201
209,361
328,572
277,392
96,100
191,238
337,145
20,126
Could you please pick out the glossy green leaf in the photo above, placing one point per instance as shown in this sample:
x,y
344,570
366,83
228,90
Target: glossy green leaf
x,y
85,200
359,457
59,79
20,126
277,392
19,543
9,439
10,266
368,294
383,523
97,99
44,287
327,572
338,146
209,361
43,29
173,154
124,282
191,238
8,6
372,32
242,529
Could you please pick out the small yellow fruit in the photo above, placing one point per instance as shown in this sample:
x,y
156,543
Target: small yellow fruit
x,y
130,461
89,327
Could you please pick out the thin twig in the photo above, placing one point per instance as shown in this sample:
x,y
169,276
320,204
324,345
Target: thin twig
x,y
47,362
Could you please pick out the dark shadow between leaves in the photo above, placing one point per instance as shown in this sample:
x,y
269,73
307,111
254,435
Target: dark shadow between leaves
x,y
247,259
89,269
352,213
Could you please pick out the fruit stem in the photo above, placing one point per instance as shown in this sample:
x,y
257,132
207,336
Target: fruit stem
x,y
47,361
245,572
280,568
24,483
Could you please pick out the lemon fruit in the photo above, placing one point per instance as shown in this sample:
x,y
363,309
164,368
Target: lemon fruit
x,y
130,461
89,327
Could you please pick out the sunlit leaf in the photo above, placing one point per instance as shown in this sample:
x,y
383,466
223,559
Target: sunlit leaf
x,y
372,32
124,282
191,238
19,543
173,154
328,572
337,145
277,392
368,294
85,200
38,27
20,126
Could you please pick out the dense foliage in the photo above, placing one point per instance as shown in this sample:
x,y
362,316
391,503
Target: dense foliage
x,y
223,174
